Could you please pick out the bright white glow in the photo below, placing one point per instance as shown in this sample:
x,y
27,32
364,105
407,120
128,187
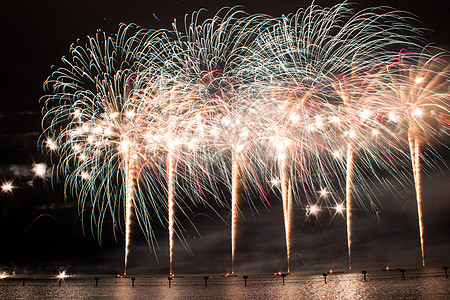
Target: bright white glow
x,y
282,145
365,114
77,113
85,175
130,114
419,79
244,133
51,144
7,187
275,181
375,132
124,145
319,122
226,121
314,209
335,119
239,148
337,154
114,115
323,193
310,127
417,112
352,134
97,130
339,208
294,118
82,156
90,139
393,117
62,275
40,169
192,143
174,142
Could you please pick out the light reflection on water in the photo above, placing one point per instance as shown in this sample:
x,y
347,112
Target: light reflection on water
x,y
380,285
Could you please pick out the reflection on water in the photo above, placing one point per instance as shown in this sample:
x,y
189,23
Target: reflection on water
x,y
428,284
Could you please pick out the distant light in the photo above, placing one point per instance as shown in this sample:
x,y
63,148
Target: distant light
x,y
40,169
62,275
7,187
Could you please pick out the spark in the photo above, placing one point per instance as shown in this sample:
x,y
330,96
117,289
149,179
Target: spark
x,y
339,208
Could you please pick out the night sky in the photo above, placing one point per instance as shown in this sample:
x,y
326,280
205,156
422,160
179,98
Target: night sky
x,y
40,232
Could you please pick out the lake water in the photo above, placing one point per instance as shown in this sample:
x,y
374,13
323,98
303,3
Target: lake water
x,y
420,284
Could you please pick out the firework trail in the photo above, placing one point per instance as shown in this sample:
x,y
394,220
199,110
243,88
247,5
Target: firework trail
x,y
287,199
234,206
415,161
171,171
348,201
129,191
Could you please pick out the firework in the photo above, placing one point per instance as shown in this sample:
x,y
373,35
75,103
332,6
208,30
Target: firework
x,y
144,119
414,86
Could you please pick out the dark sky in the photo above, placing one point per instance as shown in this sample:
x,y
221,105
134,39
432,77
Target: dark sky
x,y
41,232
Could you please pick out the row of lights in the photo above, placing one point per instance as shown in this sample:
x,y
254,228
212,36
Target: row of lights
x,y
39,170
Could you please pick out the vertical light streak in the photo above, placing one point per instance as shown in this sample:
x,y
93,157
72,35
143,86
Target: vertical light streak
x,y
285,193
348,202
128,200
414,149
170,201
234,211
